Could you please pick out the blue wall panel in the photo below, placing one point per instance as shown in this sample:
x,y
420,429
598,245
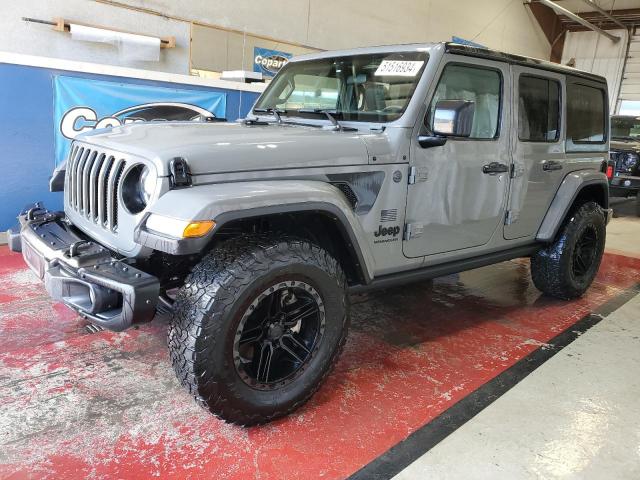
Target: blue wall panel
x,y
27,132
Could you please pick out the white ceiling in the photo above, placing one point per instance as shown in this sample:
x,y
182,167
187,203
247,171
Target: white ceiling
x,y
581,6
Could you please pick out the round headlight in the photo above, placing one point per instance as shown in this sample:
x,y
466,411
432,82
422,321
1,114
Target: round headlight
x,y
147,184
630,160
138,187
627,161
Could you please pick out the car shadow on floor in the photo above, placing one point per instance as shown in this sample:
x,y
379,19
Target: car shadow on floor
x,y
418,313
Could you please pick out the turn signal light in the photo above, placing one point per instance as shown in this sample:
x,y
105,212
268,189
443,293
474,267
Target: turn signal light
x,y
610,172
198,229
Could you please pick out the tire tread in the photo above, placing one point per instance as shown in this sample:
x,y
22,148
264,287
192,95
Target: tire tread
x,y
213,286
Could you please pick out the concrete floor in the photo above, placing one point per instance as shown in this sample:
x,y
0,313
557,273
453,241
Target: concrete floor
x,y
575,417
75,404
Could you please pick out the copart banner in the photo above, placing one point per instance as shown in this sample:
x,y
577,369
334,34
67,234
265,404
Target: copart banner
x,y
82,105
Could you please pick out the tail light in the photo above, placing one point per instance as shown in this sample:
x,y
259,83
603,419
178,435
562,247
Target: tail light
x,y
609,172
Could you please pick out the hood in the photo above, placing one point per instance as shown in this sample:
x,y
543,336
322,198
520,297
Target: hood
x,y
625,144
232,147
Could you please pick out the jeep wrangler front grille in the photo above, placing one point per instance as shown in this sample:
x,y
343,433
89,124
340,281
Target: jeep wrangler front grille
x,y
92,181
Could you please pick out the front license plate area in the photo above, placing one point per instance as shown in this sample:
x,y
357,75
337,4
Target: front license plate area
x,y
33,259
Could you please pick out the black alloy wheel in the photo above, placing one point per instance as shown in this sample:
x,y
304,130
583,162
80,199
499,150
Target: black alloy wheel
x,y
585,252
278,334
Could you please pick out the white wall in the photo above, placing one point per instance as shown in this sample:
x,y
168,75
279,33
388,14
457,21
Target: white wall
x,y
326,24
330,24
17,36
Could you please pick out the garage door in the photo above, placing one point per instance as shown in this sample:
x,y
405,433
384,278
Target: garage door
x,y
630,88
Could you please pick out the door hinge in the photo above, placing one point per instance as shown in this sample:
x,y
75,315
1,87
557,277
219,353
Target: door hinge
x,y
517,170
510,217
413,230
417,174
412,175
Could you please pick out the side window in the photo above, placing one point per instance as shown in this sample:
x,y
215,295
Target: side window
x,y
482,86
586,115
538,109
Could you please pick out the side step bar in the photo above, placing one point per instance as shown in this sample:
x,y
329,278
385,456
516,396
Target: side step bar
x,y
442,269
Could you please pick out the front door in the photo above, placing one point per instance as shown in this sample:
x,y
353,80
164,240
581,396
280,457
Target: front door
x,y
459,195
538,152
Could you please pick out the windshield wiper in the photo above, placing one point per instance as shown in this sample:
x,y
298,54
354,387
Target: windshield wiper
x,y
273,111
330,115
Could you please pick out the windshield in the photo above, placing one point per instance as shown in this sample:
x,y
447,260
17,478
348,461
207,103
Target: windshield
x,y
367,88
625,127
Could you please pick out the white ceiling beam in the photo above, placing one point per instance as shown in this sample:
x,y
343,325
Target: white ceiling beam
x,y
604,13
576,18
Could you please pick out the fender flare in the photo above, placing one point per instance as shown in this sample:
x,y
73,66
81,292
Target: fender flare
x,y
226,202
569,189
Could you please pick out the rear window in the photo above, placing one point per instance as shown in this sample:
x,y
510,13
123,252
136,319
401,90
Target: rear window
x,y
538,109
586,116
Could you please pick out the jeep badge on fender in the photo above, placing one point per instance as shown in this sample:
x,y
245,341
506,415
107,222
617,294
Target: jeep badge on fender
x,y
384,231
355,170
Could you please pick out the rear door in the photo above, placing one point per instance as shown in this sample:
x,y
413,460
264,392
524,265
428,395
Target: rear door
x,y
538,148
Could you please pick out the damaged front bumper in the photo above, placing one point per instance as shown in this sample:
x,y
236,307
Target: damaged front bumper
x,y
82,274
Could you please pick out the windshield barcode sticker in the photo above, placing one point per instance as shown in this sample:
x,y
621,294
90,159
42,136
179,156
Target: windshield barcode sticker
x,y
400,68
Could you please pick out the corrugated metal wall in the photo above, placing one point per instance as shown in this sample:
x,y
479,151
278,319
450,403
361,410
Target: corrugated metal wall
x,y
630,89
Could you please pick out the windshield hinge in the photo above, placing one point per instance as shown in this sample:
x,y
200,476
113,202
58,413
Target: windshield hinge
x,y
179,173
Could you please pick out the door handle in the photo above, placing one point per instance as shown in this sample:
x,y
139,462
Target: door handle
x,y
494,168
551,165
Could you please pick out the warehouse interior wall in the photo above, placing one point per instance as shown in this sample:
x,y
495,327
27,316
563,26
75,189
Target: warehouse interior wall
x,y
506,25
217,50
34,39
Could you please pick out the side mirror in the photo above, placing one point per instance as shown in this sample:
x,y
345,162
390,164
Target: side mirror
x,y
427,141
453,118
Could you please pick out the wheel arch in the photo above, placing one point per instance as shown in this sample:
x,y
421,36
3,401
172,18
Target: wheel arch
x,y
323,223
576,189
228,204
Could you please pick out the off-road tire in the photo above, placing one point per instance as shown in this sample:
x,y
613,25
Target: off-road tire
x,y
208,311
551,267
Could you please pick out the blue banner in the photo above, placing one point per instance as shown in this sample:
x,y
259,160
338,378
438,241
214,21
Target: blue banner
x,y
269,62
82,105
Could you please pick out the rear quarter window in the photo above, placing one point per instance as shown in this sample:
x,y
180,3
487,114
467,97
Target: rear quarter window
x,y
586,117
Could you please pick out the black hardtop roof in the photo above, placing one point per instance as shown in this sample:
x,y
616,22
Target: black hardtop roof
x,y
471,51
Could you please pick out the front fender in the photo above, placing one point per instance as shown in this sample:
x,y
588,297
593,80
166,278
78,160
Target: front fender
x,y
569,190
225,202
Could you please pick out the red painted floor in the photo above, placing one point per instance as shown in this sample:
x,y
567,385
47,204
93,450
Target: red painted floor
x,y
80,405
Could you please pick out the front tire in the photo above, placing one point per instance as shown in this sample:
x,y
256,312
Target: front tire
x,y
566,268
258,325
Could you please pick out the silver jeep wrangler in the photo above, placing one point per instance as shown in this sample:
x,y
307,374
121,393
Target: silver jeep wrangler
x,y
356,170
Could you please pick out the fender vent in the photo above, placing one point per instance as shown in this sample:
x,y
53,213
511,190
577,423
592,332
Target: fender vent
x,y
348,192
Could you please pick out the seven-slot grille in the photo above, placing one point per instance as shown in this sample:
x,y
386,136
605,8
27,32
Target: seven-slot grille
x,y
93,179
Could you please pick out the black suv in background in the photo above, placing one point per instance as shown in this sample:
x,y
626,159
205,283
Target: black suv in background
x,y
624,167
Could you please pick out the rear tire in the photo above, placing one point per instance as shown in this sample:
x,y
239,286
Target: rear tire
x,y
638,204
567,267
258,326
